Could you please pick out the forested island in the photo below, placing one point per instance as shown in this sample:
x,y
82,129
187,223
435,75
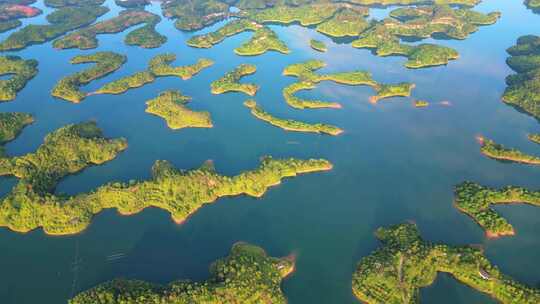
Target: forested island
x,y
307,76
263,40
289,124
68,88
500,152
132,3
230,82
394,273
172,106
73,3
146,36
32,204
21,71
60,21
534,5
523,90
318,45
11,124
247,275
10,13
348,22
476,201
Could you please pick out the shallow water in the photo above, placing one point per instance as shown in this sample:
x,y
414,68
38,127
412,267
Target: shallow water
x,y
393,163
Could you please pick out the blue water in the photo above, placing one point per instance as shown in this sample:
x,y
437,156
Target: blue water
x,y
393,163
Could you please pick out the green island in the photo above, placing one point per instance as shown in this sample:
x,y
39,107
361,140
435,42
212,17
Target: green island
x,y
476,201
11,124
60,21
230,82
347,22
66,3
232,28
68,88
395,272
132,3
421,103
32,204
160,66
305,72
497,151
305,15
535,138
289,124
318,45
534,5
523,88
263,40
146,36
195,15
246,275
20,70
10,13
171,106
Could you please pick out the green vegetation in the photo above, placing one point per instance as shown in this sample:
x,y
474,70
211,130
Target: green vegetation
x,y
306,15
308,78
145,36
9,25
231,81
318,45
476,201
61,21
534,138
345,23
65,3
33,204
230,29
123,84
424,21
132,3
533,4
263,40
248,275
68,88
11,124
160,66
195,15
394,273
289,124
498,151
421,103
523,91
171,106
21,72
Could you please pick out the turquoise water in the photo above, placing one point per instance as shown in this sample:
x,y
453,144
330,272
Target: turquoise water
x,y
393,163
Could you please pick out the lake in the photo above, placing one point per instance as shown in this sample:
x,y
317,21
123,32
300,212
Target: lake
x,y
394,163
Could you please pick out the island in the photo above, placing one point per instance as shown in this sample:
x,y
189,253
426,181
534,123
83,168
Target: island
x,y
232,28
230,82
246,275
32,203
74,3
405,263
10,13
497,151
318,45
191,15
60,21
348,22
534,5
523,88
145,36
535,138
160,66
476,201
21,72
289,124
421,103
132,3
305,15
11,124
171,106
305,72
263,40
68,88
